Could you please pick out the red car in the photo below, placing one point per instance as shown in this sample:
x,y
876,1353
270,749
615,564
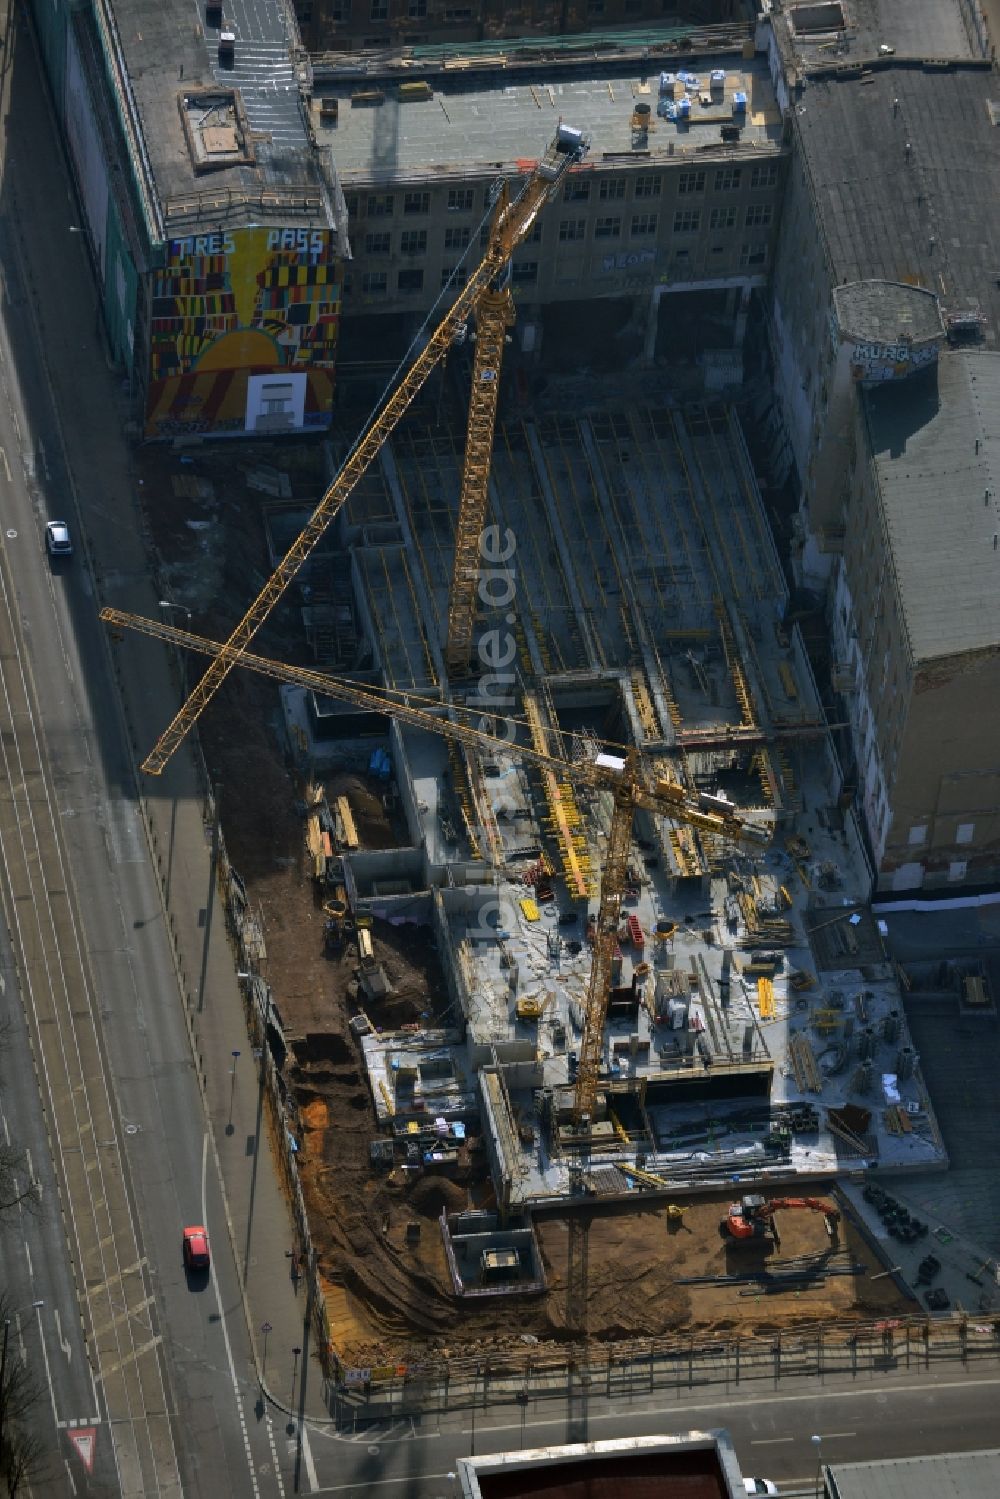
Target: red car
x,y
196,1251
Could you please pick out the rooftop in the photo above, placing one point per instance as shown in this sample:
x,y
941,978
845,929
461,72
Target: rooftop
x,y
888,311
905,160
936,445
858,28
950,1475
265,171
701,1465
491,121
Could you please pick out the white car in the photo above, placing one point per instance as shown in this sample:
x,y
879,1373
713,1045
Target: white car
x,y
760,1486
58,539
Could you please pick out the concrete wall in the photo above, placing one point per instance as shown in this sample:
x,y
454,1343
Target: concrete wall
x,y
687,220
946,797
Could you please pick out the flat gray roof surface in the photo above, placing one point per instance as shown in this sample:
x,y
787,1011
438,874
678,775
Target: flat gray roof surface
x,y
888,311
168,48
951,1475
930,216
916,28
488,124
924,432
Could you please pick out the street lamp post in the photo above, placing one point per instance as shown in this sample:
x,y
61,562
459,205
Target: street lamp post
x,y
232,1087
265,1328
817,1442
295,1370
169,604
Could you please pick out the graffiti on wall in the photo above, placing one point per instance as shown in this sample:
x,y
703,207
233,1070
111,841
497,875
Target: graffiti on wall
x,y
228,306
875,362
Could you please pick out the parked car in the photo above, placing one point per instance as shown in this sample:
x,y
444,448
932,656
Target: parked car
x,y
57,539
197,1255
760,1486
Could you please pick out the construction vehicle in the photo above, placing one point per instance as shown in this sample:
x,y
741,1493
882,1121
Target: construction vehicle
x,y
623,776
752,1219
483,295
530,1007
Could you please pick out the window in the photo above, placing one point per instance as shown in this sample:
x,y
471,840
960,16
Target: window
x,y
609,227
577,190
687,220
965,832
753,255
571,229
380,10
723,218
374,283
727,179
595,7
643,224
410,281
378,244
535,237
276,399
416,202
647,185
611,189
957,868
460,199
460,274
353,205
463,14
413,242
525,273
758,215
918,835
457,237
765,176
380,206
417,9
691,182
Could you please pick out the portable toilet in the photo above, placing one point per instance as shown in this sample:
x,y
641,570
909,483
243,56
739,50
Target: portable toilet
x,y
739,102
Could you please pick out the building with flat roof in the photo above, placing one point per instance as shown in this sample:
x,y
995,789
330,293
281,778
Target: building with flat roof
x,y
697,1464
213,216
679,194
945,1475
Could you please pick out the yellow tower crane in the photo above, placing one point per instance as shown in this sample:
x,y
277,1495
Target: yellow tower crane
x,y
513,221
623,776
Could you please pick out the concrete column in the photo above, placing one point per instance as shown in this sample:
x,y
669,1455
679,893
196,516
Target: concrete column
x,y
652,323
740,329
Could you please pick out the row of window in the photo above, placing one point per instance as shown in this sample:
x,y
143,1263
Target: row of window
x,y
409,281
416,10
574,231
578,189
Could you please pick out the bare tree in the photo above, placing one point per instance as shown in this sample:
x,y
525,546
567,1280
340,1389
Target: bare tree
x,y
18,1187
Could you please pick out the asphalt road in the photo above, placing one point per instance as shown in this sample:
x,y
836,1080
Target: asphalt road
x,y
901,1415
165,1378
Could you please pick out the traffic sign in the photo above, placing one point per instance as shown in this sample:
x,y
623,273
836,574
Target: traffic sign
x,y
83,1439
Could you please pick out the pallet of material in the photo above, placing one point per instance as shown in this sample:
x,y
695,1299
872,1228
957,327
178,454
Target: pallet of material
x,y
803,1059
346,817
765,998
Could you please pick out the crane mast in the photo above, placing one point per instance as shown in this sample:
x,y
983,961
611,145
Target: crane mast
x,y
510,227
621,776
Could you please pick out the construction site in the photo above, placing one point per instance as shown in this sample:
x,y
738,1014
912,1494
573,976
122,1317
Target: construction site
x,y
562,902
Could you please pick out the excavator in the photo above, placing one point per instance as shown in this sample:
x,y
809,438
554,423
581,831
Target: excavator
x,y
752,1219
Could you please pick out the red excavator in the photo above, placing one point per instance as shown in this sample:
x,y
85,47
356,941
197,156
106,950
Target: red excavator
x,y
751,1221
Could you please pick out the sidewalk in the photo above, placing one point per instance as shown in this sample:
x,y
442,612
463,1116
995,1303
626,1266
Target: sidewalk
x,y
108,529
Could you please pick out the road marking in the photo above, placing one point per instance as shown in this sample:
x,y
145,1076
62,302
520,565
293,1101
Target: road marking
x,y
6,465
824,1394
222,1323
307,1457
129,1358
130,1311
63,1342
771,1441
829,1436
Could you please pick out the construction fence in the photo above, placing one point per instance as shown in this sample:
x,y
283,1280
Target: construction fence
x,y
645,1366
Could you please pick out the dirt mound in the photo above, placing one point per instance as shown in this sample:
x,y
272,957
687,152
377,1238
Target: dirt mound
x,y
433,1193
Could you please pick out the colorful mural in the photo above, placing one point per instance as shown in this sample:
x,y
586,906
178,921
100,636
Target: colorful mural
x,y
229,308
